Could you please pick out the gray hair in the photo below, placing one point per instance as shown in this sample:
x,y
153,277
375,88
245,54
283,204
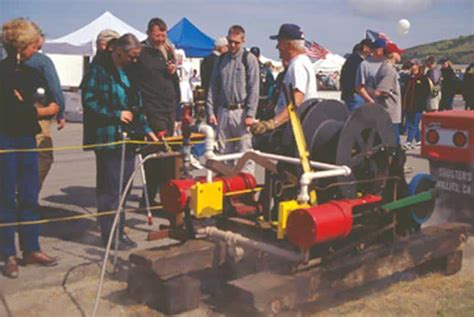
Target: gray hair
x,y
127,42
298,45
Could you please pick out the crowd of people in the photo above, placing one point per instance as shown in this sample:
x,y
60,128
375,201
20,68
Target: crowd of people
x,y
133,89
406,93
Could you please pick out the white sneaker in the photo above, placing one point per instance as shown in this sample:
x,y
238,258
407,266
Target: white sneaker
x,y
418,144
407,146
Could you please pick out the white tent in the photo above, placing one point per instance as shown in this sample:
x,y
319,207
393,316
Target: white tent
x,y
82,41
69,52
330,64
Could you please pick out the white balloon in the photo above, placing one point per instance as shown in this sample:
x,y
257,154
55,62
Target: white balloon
x,y
403,27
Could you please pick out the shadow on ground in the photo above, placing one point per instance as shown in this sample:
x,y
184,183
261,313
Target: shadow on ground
x,y
84,231
75,195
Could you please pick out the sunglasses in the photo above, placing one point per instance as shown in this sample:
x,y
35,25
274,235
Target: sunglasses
x,y
233,42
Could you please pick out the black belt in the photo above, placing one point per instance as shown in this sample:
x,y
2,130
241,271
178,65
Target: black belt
x,y
234,106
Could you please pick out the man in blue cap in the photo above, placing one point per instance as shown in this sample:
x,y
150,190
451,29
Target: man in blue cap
x,y
365,78
299,75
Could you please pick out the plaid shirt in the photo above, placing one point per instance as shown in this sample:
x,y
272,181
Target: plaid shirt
x,y
102,105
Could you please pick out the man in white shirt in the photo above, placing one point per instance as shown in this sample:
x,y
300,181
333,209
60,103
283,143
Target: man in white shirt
x,y
299,75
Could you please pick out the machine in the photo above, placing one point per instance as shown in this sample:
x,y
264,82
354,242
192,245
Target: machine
x,y
448,144
333,209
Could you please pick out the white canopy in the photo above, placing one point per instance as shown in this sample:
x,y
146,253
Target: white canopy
x,y
332,63
82,41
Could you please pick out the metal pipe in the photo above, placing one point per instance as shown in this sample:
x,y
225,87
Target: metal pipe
x,y
296,161
307,178
209,140
276,157
228,157
239,239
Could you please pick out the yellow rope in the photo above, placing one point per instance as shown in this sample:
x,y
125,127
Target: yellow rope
x,y
77,217
105,213
92,146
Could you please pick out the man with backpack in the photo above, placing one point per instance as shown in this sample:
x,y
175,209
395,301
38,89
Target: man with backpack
x,y
234,91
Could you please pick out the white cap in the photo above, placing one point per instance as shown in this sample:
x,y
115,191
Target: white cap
x,y
222,41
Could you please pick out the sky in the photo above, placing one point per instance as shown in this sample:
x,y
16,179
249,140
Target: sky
x,y
334,24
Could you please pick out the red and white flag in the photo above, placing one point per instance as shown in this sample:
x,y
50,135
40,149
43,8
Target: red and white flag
x,y
315,51
374,35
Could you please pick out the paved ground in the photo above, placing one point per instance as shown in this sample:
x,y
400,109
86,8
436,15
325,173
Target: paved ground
x,y
69,289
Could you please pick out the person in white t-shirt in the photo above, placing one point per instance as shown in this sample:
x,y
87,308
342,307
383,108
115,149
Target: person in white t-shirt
x,y
299,75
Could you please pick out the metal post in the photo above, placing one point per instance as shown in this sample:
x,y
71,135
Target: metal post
x,y
121,193
145,189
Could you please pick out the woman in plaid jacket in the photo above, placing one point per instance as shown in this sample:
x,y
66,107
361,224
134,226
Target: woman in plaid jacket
x,y
112,106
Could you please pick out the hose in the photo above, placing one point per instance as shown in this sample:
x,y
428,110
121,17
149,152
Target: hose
x,y
114,224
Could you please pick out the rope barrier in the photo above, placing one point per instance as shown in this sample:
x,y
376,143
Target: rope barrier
x,y
105,213
93,146
77,217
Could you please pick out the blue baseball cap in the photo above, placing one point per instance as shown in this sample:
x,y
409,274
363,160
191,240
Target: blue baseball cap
x,y
379,43
290,32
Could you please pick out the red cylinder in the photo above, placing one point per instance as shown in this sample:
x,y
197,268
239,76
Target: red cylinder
x,y
323,223
329,221
175,194
242,181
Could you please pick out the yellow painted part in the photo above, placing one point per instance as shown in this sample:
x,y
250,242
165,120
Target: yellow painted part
x,y
299,138
207,199
301,144
284,210
244,191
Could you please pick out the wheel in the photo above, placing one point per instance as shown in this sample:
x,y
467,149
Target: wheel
x,y
364,146
423,211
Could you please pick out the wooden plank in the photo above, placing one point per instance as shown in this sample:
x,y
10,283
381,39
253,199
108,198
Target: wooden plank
x,y
268,292
170,261
172,296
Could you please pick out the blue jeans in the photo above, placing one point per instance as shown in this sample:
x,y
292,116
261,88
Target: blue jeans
x,y
413,126
354,102
446,102
396,129
108,180
19,173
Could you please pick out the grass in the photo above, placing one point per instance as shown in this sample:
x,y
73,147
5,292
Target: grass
x,y
459,50
431,295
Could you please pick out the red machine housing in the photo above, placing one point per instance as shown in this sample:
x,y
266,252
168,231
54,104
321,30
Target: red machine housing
x,y
448,144
323,223
440,130
176,193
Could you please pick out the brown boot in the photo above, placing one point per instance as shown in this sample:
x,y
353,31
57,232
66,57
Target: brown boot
x,y
11,267
39,257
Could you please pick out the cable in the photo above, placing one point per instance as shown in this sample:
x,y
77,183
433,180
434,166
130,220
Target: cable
x,y
114,224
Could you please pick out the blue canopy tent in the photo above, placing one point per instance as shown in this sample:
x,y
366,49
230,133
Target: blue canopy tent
x,y
189,38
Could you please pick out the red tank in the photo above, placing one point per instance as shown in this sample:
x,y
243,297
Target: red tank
x,y
323,223
175,194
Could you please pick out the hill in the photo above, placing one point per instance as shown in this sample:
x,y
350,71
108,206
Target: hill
x,y
460,50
